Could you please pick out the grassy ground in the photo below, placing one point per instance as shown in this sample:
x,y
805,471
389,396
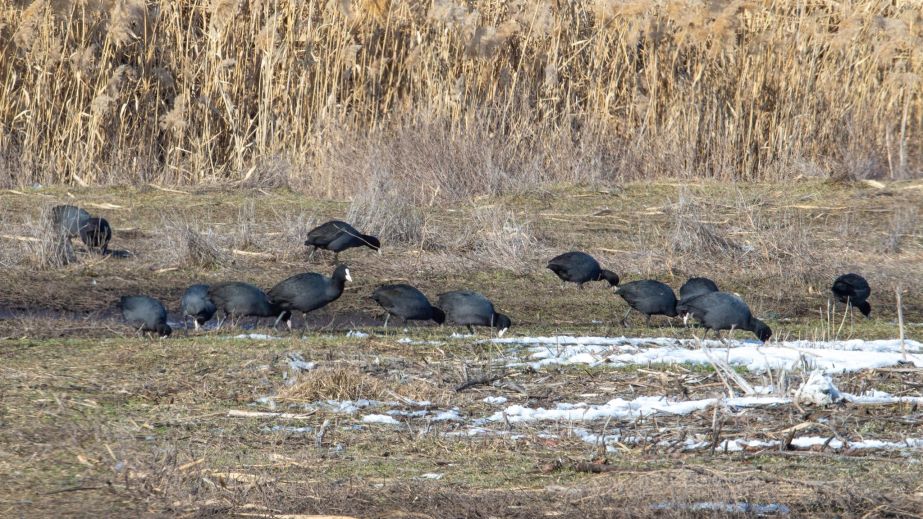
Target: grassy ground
x,y
98,422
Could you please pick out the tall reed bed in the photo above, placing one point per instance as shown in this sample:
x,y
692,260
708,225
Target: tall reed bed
x,y
458,99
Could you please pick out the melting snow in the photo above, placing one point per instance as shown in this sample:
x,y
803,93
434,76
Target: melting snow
x,y
255,336
831,357
450,415
818,389
731,508
495,400
380,418
289,429
624,409
357,334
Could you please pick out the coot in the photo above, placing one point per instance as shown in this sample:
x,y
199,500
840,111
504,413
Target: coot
x,y
238,299
723,311
145,313
337,236
853,289
580,267
648,297
95,234
696,287
472,309
308,291
196,304
406,302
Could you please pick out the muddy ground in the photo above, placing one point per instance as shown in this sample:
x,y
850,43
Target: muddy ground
x,y
97,422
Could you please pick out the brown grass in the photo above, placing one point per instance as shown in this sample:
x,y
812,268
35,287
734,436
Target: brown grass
x,y
509,93
192,248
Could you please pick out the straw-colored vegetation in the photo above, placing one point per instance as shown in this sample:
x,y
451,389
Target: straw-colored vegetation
x,y
463,98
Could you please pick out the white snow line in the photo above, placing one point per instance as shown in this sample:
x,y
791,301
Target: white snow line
x,y
236,413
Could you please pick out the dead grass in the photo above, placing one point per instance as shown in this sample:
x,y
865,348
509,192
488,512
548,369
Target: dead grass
x,y
111,421
187,247
391,209
692,232
36,243
502,239
468,98
335,383
791,243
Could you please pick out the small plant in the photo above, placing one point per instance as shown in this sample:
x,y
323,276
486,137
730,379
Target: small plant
x,y
191,248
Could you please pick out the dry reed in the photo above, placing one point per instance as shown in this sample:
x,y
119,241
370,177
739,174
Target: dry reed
x,y
513,92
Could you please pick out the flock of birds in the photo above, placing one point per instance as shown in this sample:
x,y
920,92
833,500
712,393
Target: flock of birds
x,y
699,297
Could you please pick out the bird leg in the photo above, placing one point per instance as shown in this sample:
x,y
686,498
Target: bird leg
x,y
313,250
625,318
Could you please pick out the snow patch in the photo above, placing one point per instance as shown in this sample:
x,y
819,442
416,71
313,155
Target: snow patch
x,y
495,400
255,336
446,416
380,418
357,334
830,357
626,409
818,389
731,508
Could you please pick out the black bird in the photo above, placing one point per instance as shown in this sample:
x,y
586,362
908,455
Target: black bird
x,y
238,299
580,267
96,233
146,313
308,291
694,287
648,297
853,289
69,219
723,311
406,302
472,309
196,304
337,236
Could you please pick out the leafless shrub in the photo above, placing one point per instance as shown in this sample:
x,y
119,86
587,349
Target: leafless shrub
x,y
245,232
188,247
271,173
499,238
692,232
901,224
37,243
288,233
388,209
